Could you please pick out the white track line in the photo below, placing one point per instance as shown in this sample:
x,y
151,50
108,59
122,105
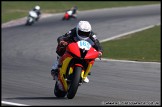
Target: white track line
x,y
124,34
108,60
127,33
11,103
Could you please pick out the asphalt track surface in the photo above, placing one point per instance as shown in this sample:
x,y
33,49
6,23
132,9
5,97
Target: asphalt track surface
x,y
28,53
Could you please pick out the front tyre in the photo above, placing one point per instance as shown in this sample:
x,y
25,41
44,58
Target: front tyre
x,y
63,18
74,82
29,21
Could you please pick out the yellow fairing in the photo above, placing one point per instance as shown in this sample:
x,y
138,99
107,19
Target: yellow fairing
x,y
64,68
63,71
87,71
71,70
82,74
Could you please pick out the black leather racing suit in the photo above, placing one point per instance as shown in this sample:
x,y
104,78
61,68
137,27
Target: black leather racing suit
x,y
71,36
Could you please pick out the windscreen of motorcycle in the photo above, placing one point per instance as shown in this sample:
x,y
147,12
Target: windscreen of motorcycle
x,y
84,45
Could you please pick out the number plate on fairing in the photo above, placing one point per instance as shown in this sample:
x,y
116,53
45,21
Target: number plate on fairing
x,y
84,45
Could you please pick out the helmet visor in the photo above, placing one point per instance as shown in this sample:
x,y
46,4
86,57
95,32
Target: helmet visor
x,y
83,34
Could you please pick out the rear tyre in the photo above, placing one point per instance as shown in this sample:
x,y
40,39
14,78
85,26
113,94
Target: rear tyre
x,y
58,93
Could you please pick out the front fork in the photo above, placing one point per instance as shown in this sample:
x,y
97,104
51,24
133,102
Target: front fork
x,y
85,73
62,74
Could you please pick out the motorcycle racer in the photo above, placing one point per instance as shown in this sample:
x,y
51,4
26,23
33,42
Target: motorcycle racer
x,y
71,13
82,31
74,9
37,10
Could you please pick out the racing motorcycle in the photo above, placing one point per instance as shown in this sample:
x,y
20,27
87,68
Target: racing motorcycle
x,y
68,15
31,18
75,66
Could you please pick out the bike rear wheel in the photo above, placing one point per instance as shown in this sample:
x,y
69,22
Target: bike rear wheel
x,y
58,92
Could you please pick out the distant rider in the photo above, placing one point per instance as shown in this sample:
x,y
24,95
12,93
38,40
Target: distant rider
x,y
37,10
82,31
74,11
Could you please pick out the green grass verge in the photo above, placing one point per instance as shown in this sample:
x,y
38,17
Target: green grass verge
x,y
17,9
140,46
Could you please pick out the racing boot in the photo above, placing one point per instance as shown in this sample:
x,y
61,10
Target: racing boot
x,y
54,73
86,80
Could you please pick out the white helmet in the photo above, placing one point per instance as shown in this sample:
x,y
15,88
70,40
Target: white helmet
x,y
83,30
37,7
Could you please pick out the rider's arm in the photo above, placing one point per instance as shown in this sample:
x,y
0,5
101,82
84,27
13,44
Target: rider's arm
x,y
97,45
39,13
66,37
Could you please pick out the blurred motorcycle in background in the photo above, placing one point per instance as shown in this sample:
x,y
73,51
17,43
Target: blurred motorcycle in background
x,y
68,15
31,18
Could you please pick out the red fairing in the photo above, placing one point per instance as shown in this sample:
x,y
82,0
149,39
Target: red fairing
x,y
91,54
66,16
73,48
